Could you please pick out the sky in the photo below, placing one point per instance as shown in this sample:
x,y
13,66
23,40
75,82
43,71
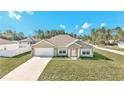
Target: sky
x,y
78,22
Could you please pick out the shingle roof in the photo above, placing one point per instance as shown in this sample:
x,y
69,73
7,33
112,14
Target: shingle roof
x,y
65,41
4,41
61,40
27,40
30,39
83,44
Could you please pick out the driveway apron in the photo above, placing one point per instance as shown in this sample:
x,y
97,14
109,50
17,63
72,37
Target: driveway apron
x,y
29,71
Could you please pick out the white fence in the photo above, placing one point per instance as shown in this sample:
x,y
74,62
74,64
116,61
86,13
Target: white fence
x,y
9,46
24,45
12,53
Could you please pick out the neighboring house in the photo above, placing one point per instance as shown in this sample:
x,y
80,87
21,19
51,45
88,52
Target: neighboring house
x,y
28,42
62,45
111,41
8,45
121,44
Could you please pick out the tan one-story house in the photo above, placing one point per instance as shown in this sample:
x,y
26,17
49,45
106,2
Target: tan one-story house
x,y
62,45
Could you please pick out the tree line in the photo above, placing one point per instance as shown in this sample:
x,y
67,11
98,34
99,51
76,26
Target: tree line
x,y
12,35
103,35
97,36
45,34
42,34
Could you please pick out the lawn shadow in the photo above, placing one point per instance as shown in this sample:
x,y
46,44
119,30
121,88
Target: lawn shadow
x,y
97,56
18,56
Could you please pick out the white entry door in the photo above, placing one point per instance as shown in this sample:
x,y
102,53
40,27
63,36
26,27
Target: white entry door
x,y
73,52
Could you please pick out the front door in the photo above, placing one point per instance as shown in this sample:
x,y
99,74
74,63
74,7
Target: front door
x,y
73,52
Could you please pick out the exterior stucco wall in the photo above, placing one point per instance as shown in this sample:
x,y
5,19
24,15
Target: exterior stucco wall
x,y
69,52
79,52
55,51
121,45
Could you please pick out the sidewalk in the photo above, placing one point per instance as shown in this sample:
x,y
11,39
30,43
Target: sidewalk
x,y
109,50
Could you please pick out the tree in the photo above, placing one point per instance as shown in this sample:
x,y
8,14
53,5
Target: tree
x,y
20,36
119,33
47,33
12,35
93,35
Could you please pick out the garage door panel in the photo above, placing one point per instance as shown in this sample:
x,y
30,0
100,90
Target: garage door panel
x,y
44,52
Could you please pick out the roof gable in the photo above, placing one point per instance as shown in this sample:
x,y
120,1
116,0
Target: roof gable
x,y
4,41
43,43
61,40
75,45
83,44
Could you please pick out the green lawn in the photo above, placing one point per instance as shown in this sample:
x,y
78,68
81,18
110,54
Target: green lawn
x,y
8,64
103,66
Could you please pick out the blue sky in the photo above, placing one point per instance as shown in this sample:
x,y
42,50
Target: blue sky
x,y
79,22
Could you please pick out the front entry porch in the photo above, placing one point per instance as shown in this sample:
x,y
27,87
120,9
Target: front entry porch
x,y
73,52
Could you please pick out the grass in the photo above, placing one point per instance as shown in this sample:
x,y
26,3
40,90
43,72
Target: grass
x,y
8,64
97,56
103,66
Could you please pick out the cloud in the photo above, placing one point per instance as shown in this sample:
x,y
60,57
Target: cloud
x,y
76,26
103,25
86,25
17,14
30,12
62,26
18,17
81,31
14,15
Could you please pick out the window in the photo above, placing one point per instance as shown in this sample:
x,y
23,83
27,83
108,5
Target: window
x,y
62,51
85,52
88,52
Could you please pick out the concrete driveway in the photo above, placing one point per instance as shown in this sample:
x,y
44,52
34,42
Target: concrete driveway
x,y
29,71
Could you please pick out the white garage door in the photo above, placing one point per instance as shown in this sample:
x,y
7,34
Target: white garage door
x,y
45,52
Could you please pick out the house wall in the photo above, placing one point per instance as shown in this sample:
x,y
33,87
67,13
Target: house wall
x,y
121,45
9,47
79,52
69,54
55,51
